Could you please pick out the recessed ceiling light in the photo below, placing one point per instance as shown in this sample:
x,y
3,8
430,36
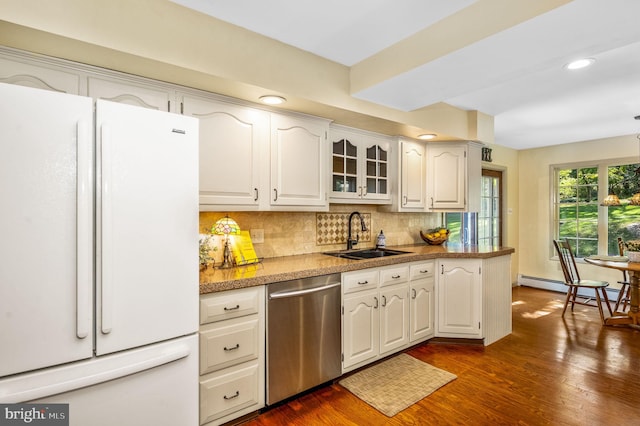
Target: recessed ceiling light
x,y
580,63
427,136
272,100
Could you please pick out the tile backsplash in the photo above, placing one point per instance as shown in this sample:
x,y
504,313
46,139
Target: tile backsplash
x,y
333,228
291,233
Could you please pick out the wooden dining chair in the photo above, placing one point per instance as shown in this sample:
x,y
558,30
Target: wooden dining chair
x,y
623,296
574,282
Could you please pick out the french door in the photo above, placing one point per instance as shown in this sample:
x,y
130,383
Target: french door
x,y
490,215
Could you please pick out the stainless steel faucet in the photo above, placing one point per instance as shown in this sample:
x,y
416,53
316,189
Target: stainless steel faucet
x,y
350,241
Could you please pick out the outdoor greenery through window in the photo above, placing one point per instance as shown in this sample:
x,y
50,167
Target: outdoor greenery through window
x,y
483,227
591,228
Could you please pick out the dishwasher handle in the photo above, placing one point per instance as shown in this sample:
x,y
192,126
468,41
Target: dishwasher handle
x,y
283,294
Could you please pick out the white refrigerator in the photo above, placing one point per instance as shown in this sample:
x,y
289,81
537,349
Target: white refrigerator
x,y
98,258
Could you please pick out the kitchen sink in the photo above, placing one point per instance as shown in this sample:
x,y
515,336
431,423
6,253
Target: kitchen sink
x,y
365,253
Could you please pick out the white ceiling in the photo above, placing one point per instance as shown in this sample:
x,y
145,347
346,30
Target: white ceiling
x,y
517,75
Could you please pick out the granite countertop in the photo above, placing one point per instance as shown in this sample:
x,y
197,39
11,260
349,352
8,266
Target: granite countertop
x,y
313,264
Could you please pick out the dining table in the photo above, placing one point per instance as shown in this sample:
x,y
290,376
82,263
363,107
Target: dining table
x,y
632,317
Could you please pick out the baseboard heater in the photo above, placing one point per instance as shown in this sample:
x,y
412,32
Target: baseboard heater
x,y
559,286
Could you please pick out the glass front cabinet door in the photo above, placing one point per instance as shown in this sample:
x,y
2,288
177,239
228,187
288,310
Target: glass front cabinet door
x,y
360,166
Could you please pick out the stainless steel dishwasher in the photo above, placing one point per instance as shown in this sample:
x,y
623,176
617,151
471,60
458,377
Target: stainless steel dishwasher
x,y
303,335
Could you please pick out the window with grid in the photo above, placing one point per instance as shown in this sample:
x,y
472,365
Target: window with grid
x,y
579,217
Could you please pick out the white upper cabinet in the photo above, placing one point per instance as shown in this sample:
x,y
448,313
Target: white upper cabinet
x,y
360,166
408,177
298,171
412,176
39,76
233,143
131,93
446,176
251,159
453,176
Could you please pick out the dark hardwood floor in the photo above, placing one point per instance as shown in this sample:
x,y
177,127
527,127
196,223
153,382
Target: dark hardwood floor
x,y
549,371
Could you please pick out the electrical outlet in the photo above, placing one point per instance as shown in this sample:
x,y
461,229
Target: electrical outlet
x,y
257,235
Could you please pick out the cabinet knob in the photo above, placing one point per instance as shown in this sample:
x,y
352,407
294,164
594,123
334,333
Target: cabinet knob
x,y
256,191
275,194
413,293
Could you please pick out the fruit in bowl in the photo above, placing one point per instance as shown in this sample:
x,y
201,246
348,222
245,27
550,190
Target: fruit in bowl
x,y
435,236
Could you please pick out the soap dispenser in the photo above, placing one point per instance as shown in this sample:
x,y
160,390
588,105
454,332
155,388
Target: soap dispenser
x,y
381,242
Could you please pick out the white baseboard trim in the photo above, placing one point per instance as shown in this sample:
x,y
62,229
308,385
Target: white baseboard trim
x,y
558,286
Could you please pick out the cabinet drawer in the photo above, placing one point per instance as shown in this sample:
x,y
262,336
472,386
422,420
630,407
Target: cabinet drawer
x,y
228,343
228,391
225,305
422,270
361,280
391,276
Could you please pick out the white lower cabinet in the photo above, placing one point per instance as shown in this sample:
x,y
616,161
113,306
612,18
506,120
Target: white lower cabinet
x,y
422,306
474,298
375,314
394,318
232,369
228,394
360,329
459,298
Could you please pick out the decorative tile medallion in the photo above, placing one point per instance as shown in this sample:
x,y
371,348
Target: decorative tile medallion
x,y
333,228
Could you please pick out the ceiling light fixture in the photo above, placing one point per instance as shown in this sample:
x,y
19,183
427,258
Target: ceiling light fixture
x,y
580,63
427,136
272,100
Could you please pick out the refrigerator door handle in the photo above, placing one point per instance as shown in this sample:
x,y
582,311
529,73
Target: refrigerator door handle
x,y
84,235
41,385
106,283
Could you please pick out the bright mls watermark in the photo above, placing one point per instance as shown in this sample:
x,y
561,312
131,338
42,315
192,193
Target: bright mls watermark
x,y
34,414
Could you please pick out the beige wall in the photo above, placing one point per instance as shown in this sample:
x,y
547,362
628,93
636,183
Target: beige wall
x,y
535,229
